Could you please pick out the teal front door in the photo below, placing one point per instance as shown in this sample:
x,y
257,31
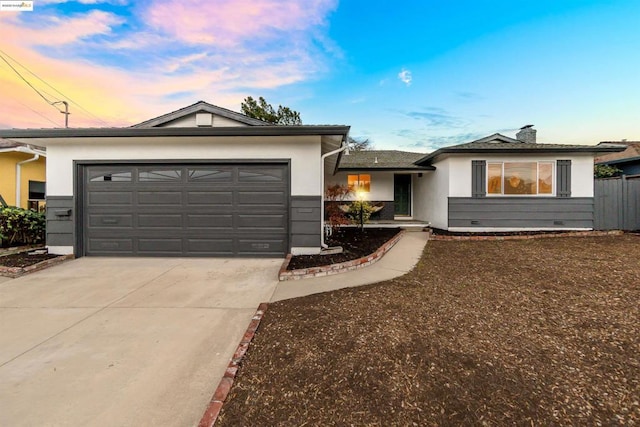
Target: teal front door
x,y
402,195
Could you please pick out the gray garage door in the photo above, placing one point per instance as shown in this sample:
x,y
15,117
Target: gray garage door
x,y
186,210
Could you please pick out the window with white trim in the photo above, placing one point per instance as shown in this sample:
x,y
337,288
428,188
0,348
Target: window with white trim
x,y
520,178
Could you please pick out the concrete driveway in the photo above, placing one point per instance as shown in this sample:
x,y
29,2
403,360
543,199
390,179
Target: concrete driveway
x,y
126,342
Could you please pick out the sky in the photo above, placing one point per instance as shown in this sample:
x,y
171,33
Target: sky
x,y
413,75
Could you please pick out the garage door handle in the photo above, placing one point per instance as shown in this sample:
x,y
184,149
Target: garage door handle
x,y
109,221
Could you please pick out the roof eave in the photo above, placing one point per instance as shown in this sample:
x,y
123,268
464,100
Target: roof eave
x,y
386,169
546,150
173,131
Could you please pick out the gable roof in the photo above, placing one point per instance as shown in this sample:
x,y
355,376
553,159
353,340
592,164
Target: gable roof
x,y
381,160
500,144
200,107
629,154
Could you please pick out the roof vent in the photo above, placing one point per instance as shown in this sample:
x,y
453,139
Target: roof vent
x,y
527,134
376,160
204,119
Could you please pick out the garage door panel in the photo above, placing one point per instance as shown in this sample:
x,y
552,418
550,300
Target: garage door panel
x,y
160,220
213,247
160,246
103,246
111,221
160,198
207,198
110,198
262,222
246,198
186,210
211,221
261,246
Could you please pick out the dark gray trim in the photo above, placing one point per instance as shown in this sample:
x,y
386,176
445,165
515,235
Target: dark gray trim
x,y
60,217
2,202
478,178
305,221
563,178
521,212
176,131
618,161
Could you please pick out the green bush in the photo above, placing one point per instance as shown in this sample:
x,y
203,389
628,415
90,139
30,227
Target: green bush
x,y
355,209
21,226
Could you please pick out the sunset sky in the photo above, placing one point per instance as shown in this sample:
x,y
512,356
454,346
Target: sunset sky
x,y
412,75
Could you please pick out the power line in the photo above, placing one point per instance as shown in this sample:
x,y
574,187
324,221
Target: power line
x,y
60,93
27,82
37,112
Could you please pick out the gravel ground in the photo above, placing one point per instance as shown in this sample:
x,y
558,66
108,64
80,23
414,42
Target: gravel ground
x,y
527,332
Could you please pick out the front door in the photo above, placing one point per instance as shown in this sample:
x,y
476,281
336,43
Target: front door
x,y
402,195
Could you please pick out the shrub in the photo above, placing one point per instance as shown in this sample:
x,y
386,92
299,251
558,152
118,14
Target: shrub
x,y
21,226
360,207
335,194
605,171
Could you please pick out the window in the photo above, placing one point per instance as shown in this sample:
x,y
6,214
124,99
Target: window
x,y
520,178
36,190
360,182
160,175
111,177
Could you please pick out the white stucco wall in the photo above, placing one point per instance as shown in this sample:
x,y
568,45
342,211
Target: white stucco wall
x,y
430,194
303,151
381,184
581,171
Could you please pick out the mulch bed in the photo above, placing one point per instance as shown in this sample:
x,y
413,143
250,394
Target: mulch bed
x,y
518,332
356,242
24,259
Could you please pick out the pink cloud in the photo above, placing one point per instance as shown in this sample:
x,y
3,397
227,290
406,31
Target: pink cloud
x,y
230,22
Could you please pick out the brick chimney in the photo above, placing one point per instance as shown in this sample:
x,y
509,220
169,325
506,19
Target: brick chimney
x,y
527,134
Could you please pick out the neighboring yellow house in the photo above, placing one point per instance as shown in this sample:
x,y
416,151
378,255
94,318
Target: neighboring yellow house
x,y
22,175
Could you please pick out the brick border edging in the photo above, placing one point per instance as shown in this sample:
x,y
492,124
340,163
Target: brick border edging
x,y
15,272
222,391
529,236
343,267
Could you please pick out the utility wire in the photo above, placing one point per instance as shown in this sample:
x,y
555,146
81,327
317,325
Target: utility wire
x,y
27,82
37,112
60,93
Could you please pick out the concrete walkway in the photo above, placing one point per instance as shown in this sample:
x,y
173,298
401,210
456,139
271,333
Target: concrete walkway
x,y
398,261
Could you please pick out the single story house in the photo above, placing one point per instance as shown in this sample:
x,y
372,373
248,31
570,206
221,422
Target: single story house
x,y
495,183
200,181
23,169
207,181
628,161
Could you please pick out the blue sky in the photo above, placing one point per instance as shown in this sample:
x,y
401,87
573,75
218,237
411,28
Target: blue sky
x,y
414,76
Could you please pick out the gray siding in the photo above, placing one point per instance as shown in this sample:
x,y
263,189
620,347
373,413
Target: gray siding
x,y
521,212
60,221
305,221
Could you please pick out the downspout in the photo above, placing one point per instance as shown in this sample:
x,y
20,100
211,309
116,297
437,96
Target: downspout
x,y
19,177
324,156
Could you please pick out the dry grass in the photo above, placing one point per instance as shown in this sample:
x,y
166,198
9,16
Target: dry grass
x,y
533,332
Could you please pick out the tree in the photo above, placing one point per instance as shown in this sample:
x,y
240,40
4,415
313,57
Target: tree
x,y
360,144
605,171
264,111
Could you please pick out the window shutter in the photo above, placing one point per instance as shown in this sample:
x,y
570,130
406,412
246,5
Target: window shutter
x,y
478,178
563,184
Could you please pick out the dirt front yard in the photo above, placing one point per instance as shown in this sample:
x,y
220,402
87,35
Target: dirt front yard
x,y
527,332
